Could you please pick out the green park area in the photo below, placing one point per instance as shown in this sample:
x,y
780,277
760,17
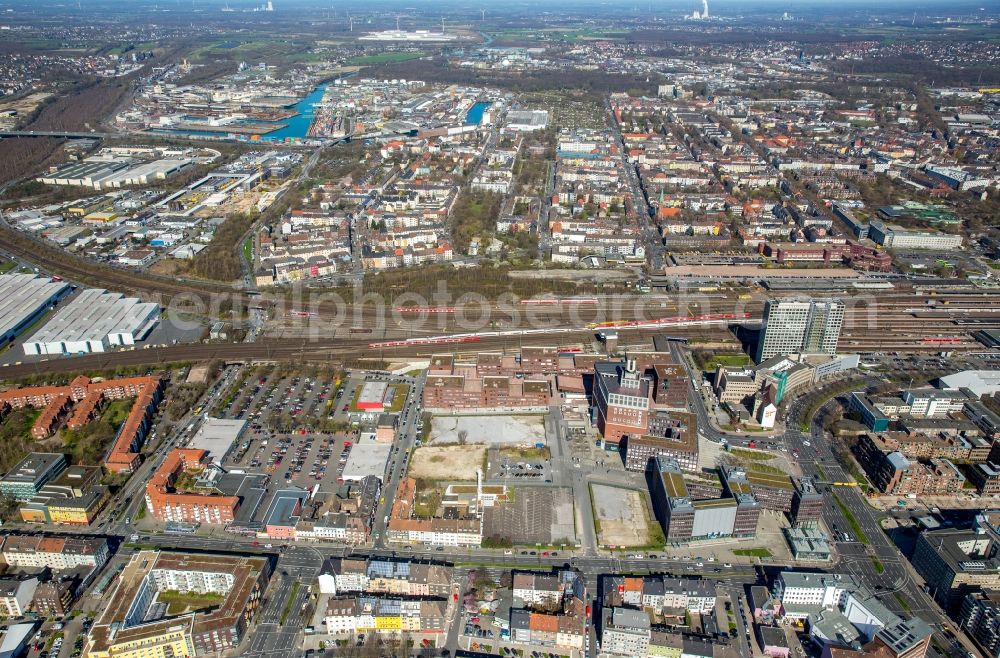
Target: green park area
x,y
708,360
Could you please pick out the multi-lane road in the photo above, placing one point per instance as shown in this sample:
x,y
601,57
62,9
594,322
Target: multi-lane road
x,y
399,459
285,600
877,561
873,557
655,251
277,629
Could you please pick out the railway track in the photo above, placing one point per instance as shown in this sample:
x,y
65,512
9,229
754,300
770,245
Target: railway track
x,y
164,289
85,271
322,351
879,321
896,334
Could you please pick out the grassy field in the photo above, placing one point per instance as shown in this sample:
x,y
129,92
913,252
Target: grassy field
x,y
239,47
383,58
309,57
248,250
526,453
752,552
117,411
752,455
447,462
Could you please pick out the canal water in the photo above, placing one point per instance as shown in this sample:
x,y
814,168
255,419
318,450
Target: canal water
x,y
475,113
296,127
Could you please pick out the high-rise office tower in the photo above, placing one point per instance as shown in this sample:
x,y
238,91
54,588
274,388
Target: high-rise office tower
x,y
800,325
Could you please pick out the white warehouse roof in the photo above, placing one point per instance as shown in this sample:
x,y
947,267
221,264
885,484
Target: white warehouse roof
x,y
94,321
216,436
23,297
980,382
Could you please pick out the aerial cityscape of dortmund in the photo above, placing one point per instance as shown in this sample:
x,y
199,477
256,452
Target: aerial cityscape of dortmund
x,y
454,328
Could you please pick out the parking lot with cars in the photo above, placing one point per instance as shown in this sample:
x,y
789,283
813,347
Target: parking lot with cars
x,y
292,434
60,638
526,470
285,402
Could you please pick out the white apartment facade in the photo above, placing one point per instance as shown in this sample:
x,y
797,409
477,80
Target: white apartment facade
x,y
800,325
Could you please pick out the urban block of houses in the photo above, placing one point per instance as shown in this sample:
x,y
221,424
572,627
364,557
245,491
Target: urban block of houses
x,y
386,615
549,610
81,400
404,528
130,623
389,577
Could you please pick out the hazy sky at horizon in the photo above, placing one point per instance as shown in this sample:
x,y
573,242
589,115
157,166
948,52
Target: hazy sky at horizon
x,y
730,5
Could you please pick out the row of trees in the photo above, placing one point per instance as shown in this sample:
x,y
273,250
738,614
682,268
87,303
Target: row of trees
x,y
287,423
183,397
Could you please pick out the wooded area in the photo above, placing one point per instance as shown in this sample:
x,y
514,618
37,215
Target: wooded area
x,y
82,107
474,214
89,444
23,157
15,436
921,68
220,260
